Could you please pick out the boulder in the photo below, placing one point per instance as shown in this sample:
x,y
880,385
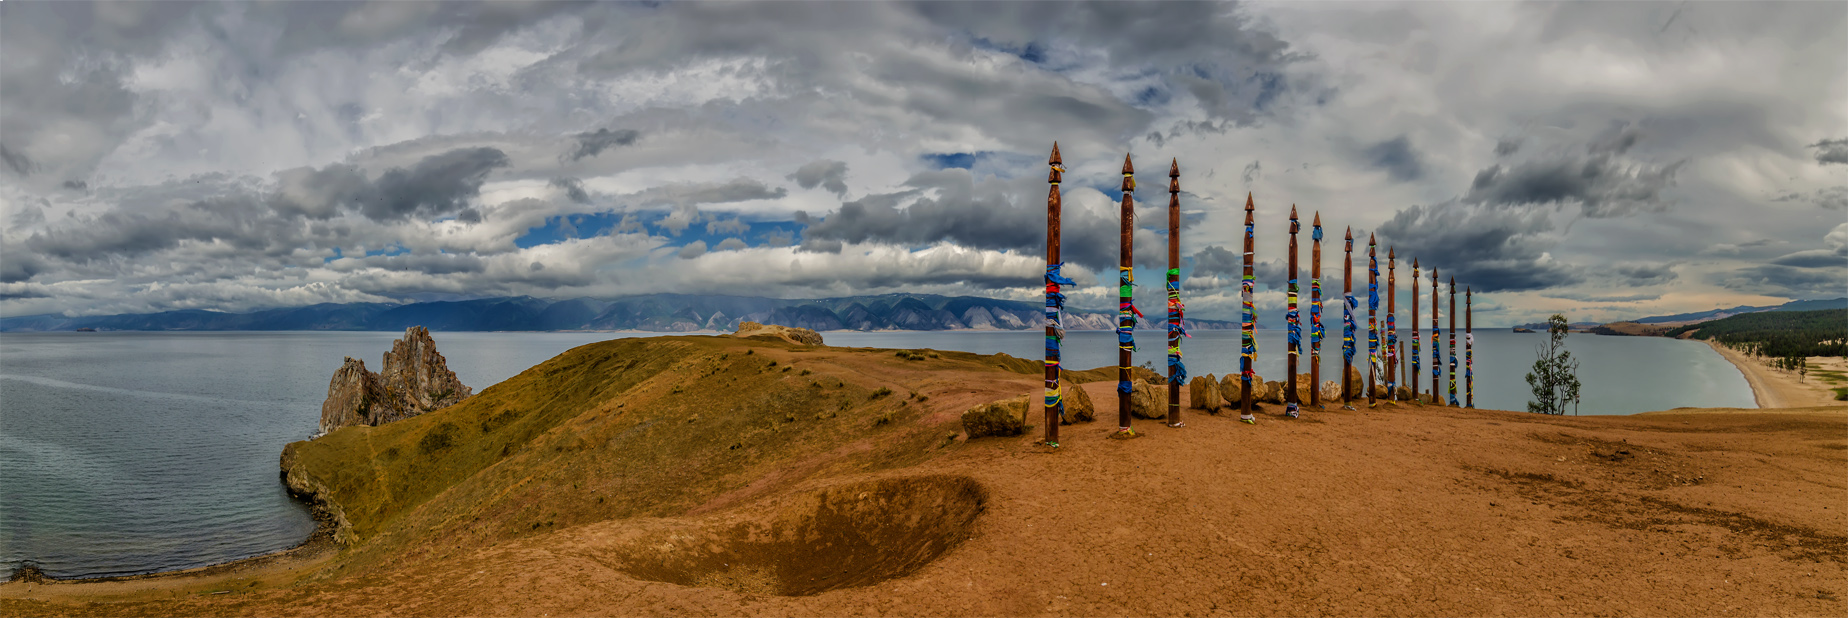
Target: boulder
x,y
1203,394
1147,400
1273,392
1357,383
798,336
1405,393
414,379
1231,390
1303,388
1331,391
1078,407
996,418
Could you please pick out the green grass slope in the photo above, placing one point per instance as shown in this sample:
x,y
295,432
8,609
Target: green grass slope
x,y
640,427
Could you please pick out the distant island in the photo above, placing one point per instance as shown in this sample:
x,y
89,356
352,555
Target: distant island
x,y
667,313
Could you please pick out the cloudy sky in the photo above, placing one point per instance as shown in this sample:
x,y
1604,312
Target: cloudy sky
x,y
1607,160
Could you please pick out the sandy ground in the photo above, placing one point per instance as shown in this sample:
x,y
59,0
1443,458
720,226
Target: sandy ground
x,y
1772,388
1398,510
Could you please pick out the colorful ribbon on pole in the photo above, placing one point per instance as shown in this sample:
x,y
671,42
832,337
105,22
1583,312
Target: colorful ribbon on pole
x,y
1055,306
1177,328
1248,345
1348,327
1469,363
1373,307
1453,360
1126,317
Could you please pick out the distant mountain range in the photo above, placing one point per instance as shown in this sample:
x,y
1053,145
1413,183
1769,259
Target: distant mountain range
x,y
1703,316
653,312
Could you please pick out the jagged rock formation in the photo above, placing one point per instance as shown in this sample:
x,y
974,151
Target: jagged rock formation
x,y
413,380
800,336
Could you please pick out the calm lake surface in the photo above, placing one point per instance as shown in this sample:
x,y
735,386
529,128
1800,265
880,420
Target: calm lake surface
x,y
127,453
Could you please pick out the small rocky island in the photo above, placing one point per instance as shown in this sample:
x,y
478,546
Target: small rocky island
x,y
413,380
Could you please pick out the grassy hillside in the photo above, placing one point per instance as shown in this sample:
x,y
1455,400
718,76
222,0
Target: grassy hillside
x,y
1779,334
642,427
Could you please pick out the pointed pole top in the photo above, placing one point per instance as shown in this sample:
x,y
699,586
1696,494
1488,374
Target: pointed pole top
x,y
1453,284
1350,232
1292,212
1392,253
1414,265
1370,238
1318,218
1127,167
1248,206
1174,169
1055,154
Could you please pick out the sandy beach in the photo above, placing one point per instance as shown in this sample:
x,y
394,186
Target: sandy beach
x,y
1772,388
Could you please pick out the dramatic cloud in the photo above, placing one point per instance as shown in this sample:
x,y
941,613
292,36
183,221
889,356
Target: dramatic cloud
x,y
1491,249
233,156
1827,151
830,175
594,143
1397,158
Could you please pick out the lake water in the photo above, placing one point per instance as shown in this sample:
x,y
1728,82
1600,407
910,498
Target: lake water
x,y
127,453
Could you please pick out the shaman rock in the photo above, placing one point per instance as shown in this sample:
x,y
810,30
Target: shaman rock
x,y
414,379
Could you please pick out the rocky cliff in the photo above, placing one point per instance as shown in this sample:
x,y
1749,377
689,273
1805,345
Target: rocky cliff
x,y
414,379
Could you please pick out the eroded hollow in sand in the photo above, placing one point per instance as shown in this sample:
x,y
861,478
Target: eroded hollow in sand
x,y
838,537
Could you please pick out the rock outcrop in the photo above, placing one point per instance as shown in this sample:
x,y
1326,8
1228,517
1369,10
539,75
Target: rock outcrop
x,y
999,418
414,379
799,336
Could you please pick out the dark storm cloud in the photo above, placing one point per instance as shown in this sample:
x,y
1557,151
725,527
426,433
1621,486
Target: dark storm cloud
x,y
1488,248
984,215
1397,157
1645,274
1507,147
573,188
429,263
593,143
1217,260
1831,151
830,175
1786,281
241,221
17,265
436,186
1815,258
1601,185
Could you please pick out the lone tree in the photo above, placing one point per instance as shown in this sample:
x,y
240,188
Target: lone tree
x,y
1555,375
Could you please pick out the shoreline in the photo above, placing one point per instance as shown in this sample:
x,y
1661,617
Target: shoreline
x,y
1772,389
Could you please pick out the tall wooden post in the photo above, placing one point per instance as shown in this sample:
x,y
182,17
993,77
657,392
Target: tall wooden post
x,y
1437,361
1373,309
1469,352
1453,341
1177,372
1126,308
1315,312
1293,322
1248,346
1412,383
1392,324
1055,300
1347,322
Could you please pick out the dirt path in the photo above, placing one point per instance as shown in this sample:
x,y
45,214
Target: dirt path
x,y
1399,510
1778,389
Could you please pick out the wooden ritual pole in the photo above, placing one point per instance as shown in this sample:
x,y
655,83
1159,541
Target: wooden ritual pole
x,y
1437,360
1177,372
1126,278
1469,352
1293,322
1347,322
1315,312
1412,382
1248,347
1453,341
1373,309
1392,324
1055,300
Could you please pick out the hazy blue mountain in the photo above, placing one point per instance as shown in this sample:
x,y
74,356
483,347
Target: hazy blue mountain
x,y
1703,316
653,312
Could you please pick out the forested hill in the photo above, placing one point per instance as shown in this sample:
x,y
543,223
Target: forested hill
x,y
1779,334
654,312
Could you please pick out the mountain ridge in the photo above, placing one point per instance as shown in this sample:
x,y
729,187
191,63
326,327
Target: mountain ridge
x,y
649,313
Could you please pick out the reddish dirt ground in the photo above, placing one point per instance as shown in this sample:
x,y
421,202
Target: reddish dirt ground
x,y
1399,510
